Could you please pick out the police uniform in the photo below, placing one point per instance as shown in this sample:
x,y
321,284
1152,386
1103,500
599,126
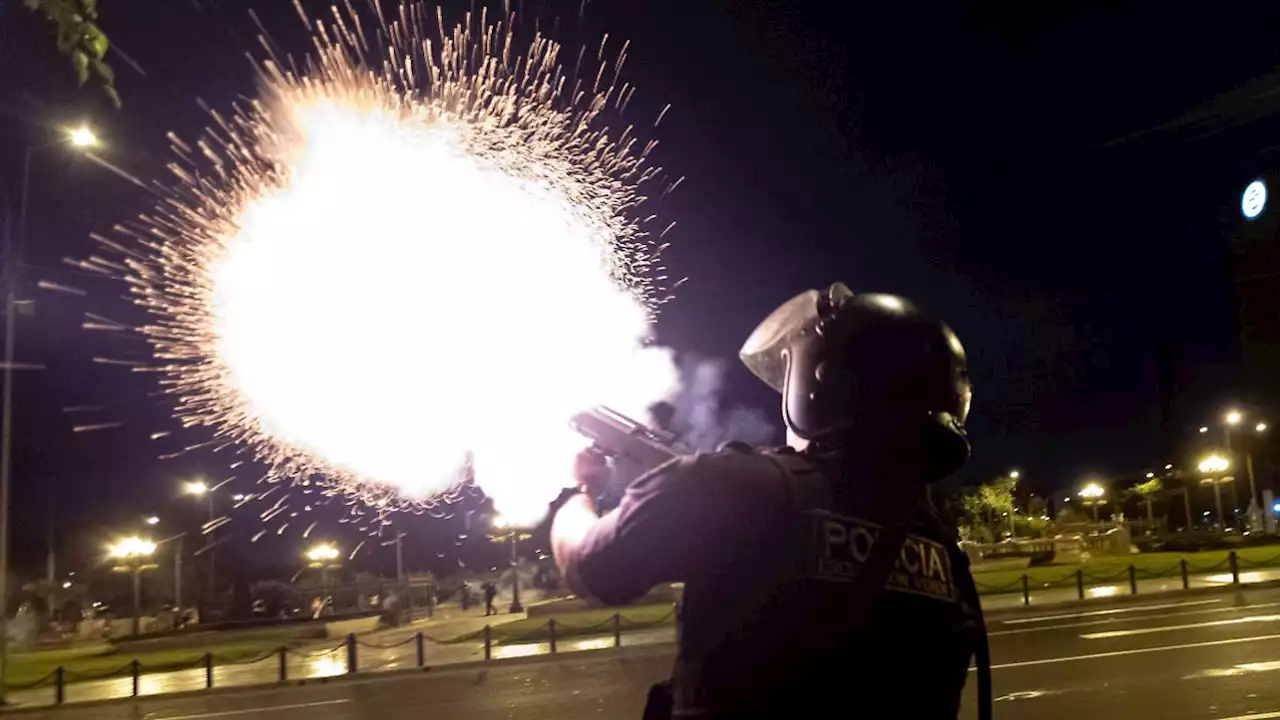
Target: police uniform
x,y
813,582
771,552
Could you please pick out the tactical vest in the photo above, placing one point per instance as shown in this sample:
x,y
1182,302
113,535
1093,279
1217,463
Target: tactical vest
x,y
789,630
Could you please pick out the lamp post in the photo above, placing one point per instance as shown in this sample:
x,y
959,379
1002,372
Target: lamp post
x,y
1093,494
1213,466
132,554
80,138
321,556
201,489
500,523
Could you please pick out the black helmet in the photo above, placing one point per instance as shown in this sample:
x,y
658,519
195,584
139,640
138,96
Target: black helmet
x,y
846,362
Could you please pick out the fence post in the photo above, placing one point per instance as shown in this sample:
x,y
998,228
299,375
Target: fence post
x,y
488,642
59,686
617,630
1080,584
208,670
284,664
552,624
1133,580
1186,582
351,653
136,667
1235,567
422,651
1026,590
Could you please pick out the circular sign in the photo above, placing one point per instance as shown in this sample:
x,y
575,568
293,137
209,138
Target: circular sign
x,y
1254,199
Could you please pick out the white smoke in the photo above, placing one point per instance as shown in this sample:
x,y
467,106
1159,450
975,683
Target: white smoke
x,y
699,415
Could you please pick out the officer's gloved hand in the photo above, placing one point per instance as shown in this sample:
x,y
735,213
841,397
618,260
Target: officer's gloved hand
x,y
592,472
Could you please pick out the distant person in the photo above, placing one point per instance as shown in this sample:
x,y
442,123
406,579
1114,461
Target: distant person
x,y
464,596
818,580
490,592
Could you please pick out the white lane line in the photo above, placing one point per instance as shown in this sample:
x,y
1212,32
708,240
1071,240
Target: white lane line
x,y
1119,653
1140,608
249,711
1189,626
1256,716
1112,621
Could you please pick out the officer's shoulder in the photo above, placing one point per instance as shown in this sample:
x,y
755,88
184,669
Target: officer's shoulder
x,y
732,459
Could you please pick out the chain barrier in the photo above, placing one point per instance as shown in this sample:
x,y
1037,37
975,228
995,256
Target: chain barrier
x,y
584,628
1221,565
636,624
36,684
995,589
1170,571
258,659
1106,578
375,646
1269,562
315,654
125,670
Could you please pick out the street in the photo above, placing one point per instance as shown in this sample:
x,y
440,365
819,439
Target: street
x,y
1173,656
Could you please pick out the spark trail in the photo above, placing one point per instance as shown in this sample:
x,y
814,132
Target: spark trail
x,y
413,255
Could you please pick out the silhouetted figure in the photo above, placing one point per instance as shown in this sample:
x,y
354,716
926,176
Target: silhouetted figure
x,y
819,579
490,592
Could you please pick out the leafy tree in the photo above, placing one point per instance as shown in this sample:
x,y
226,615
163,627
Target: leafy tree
x,y
80,39
1147,491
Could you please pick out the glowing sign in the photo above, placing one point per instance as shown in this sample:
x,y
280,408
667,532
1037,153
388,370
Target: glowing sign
x,y
1254,199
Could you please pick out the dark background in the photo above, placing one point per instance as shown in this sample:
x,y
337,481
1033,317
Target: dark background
x,y
1058,181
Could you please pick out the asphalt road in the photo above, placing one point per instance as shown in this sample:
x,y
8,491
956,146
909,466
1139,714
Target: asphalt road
x,y
1173,657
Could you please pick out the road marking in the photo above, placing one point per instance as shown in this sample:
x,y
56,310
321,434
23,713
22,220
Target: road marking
x,y
1140,608
1256,716
1119,653
1189,626
249,711
1110,621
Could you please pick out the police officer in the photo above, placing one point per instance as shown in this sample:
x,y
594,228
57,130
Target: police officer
x,y
818,578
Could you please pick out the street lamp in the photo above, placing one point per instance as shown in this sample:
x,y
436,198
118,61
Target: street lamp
x,y
1093,494
199,488
1214,465
1233,417
500,522
1204,429
321,556
82,137
133,553
153,520
13,249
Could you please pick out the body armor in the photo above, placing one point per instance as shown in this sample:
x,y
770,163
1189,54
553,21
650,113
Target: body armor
x,y
791,627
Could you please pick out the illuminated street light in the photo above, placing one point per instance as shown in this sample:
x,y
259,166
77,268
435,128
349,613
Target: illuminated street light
x,y
153,520
1150,475
82,137
502,523
1214,464
132,553
1204,429
1014,474
1233,417
1092,493
322,552
1260,427
237,497
1169,466
195,487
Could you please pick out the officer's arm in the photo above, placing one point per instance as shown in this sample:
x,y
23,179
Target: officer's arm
x,y
668,524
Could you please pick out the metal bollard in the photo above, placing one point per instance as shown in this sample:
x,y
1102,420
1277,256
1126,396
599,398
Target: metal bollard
x,y
208,670
422,651
1080,584
351,653
59,686
552,625
488,642
1026,590
1235,567
1133,580
1186,582
284,664
136,667
617,630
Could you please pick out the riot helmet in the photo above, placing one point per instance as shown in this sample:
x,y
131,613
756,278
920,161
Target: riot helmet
x,y
846,364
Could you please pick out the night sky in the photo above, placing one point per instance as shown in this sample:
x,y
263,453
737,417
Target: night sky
x,y
1058,185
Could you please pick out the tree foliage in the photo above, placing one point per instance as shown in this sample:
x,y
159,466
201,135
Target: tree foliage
x,y
81,40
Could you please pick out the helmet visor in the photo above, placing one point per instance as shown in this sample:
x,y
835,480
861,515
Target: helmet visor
x,y
762,353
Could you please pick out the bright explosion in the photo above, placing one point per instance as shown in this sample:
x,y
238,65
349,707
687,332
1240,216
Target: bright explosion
x,y
391,270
